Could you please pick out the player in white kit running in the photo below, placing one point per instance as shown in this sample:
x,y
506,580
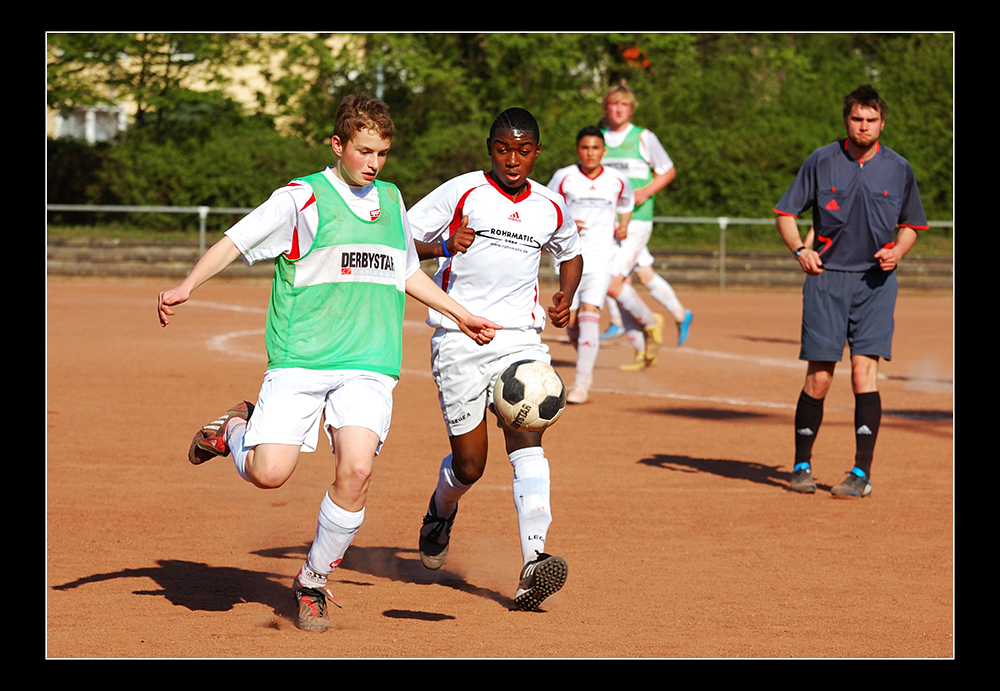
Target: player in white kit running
x,y
596,196
487,231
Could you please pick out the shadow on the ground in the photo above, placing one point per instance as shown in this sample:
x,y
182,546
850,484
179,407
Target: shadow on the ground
x,y
770,475
203,588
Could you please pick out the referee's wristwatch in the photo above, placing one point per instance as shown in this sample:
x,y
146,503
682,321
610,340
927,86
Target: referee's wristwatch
x,y
795,253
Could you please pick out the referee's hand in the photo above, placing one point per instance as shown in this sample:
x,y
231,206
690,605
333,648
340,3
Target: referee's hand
x,y
810,262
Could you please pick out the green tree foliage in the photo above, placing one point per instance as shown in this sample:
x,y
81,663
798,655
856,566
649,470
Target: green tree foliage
x,y
185,147
202,151
147,68
738,113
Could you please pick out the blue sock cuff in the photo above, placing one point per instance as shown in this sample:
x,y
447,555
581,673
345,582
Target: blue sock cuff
x,y
799,466
860,473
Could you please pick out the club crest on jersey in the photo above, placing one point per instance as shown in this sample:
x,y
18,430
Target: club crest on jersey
x,y
374,214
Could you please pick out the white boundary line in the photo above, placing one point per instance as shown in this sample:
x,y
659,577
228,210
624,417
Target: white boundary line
x,y
225,343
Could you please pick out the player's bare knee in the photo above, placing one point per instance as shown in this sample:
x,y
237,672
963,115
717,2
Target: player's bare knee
x,y
354,477
467,470
269,468
267,478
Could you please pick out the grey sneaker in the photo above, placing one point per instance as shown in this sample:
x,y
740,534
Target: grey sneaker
x,y
802,481
540,578
434,537
853,486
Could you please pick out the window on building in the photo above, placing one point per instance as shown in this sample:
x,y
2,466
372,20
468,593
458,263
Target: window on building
x,y
93,123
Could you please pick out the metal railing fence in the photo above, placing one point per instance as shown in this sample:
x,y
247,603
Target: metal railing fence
x,y
722,222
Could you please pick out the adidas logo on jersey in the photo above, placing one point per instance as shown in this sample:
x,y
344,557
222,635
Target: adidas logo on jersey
x,y
514,217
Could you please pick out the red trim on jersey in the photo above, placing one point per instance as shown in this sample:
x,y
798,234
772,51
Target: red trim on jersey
x,y
903,225
600,169
559,216
293,253
877,148
826,243
525,191
456,222
784,213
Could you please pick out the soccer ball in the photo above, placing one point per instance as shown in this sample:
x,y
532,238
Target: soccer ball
x,y
529,396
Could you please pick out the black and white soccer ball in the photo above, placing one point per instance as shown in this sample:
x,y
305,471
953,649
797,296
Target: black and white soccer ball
x,y
529,396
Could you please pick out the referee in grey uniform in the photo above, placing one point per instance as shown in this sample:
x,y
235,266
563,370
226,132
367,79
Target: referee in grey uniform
x,y
860,192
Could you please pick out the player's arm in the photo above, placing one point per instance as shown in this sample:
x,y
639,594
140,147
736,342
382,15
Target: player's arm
x,y
621,232
659,182
914,219
808,259
420,287
656,156
890,255
570,272
218,257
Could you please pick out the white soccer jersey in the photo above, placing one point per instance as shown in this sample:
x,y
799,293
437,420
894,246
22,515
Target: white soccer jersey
x,y
498,277
288,221
595,202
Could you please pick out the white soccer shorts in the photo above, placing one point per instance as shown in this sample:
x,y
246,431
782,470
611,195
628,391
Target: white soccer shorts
x,y
292,401
633,251
593,290
465,373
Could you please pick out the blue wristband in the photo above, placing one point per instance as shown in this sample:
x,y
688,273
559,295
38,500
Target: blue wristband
x,y
444,248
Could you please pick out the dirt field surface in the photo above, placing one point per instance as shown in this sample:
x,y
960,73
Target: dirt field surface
x,y
669,494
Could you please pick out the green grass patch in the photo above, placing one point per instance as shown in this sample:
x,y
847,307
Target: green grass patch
x,y
127,233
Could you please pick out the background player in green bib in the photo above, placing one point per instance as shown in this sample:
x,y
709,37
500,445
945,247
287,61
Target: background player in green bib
x,y
638,154
344,262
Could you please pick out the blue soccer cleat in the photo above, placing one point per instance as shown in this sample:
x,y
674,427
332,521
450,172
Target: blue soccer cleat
x,y
682,328
614,331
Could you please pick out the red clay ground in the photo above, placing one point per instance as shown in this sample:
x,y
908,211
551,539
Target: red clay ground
x,y
669,495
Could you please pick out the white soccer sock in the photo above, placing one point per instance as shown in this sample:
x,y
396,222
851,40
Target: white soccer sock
x,y
449,490
531,499
235,432
634,332
665,295
613,313
335,529
630,301
587,346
